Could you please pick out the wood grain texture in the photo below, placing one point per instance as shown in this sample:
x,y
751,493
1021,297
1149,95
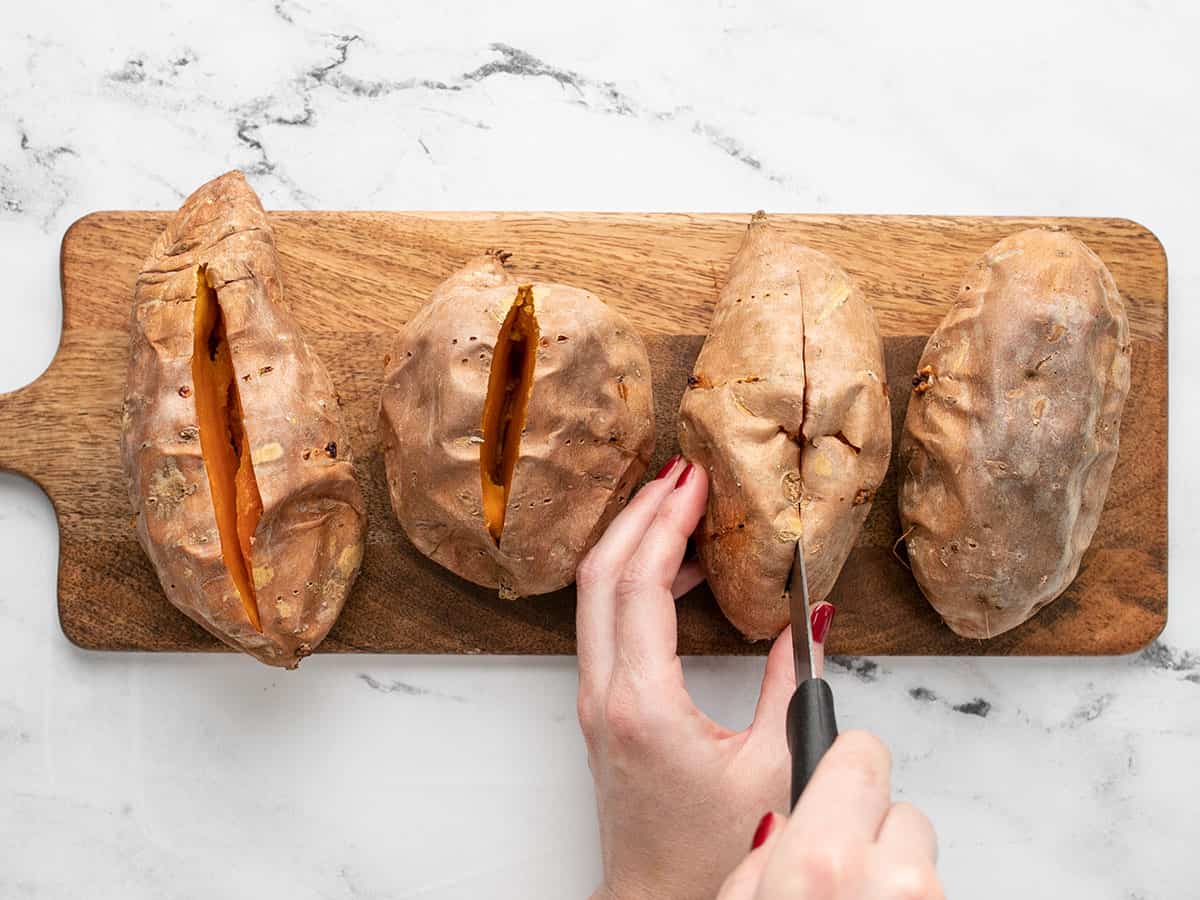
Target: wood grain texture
x,y
354,277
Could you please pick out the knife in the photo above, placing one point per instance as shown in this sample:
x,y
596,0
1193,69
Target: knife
x,y
811,726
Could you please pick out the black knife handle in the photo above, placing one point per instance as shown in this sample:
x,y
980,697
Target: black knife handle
x,y
811,730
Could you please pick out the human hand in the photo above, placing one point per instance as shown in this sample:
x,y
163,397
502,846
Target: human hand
x,y
846,840
676,792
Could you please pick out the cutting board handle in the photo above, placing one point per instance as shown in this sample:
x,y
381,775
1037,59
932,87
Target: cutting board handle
x,y
31,426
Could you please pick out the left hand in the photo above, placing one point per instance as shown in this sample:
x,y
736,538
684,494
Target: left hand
x,y
677,793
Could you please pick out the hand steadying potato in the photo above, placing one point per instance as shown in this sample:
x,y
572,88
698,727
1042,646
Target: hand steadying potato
x,y
678,795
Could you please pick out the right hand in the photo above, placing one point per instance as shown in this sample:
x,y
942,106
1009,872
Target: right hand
x,y
845,840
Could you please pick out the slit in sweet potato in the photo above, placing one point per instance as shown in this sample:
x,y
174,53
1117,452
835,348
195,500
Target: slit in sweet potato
x,y
237,504
509,386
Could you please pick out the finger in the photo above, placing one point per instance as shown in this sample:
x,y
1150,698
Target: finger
x,y
778,685
690,574
743,882
907,833
624,533
849,794
596,582
646,626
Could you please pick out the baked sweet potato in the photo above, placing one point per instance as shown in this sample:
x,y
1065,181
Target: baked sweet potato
x,y
1011,432
239,468
516,420
787,410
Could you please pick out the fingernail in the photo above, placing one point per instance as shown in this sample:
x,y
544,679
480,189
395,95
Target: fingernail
x,y
763,831
685,475
822,618
667,466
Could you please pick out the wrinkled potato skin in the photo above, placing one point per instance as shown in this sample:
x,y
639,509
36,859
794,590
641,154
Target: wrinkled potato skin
x,y
787,410
589,429
308,546
1007,451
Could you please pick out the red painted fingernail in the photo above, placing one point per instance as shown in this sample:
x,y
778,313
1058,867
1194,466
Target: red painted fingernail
x,y
822,618
685,475
667,466
763,831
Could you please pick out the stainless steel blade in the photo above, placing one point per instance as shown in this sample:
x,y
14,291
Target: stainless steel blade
x,y
802,639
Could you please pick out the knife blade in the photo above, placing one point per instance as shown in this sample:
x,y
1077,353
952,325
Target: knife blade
x,y
802,638
811,723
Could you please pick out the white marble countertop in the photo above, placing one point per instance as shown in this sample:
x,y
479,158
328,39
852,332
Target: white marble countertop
x,y
212,776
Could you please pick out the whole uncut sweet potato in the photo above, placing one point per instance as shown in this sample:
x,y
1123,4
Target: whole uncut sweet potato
x,y
238,465
787,409
516,420
1011,433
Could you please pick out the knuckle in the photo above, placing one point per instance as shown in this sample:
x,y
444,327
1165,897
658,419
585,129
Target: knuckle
x,y
631,587
633,579
628,720
819,870
591,572
585,709
916,818
621,719
911,881
864,754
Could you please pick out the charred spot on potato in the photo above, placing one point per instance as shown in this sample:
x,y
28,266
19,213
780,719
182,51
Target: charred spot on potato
x,y
863,495
509,385
331,449
237,505
185,391
923,380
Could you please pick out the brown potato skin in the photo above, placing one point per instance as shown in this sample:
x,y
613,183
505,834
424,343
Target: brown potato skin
x,y
589,429
1010,441
308,546
787,410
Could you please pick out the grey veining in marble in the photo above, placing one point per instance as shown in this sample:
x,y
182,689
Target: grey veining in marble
x,y
202,776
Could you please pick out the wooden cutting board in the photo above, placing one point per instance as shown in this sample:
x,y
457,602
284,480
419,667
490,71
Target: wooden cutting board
x,y
354,277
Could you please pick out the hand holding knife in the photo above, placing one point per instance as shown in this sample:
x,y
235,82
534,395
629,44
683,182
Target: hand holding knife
x,y
811,725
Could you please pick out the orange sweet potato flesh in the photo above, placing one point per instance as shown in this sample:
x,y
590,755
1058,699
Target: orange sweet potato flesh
x,y
510,383
236,500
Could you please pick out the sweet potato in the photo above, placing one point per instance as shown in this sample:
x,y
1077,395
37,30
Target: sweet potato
x,y
787,410
1011,432
516,420
239,468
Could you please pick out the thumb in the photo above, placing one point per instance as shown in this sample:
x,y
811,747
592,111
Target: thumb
x,y
779,679
778,685
743,882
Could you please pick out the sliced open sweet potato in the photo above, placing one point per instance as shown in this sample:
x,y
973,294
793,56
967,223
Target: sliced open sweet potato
x,y
236,501
509,386
516,420
253,534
